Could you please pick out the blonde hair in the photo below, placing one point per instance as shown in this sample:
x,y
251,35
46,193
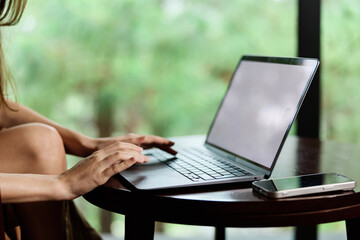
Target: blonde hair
x,y
10,14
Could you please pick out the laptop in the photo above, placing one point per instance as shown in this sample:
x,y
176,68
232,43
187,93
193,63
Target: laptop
x,y
247,132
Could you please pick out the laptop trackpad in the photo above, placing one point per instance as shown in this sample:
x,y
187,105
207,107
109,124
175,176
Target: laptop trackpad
x,y
152,174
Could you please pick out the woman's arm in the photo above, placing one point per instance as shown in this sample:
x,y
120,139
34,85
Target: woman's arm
x,y
76,143
87,174
30,188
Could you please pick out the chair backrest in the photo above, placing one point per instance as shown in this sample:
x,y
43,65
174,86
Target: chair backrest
x,y
2,230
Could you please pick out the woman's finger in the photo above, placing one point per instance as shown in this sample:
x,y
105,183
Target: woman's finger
x,y
167,149
152,139
118,167
121,146
118,156
137,140
149,141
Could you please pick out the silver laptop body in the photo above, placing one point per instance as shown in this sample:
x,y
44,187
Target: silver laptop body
x,y
246,135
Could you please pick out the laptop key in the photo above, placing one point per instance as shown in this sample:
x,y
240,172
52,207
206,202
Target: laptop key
x,y
206,176
193,177
239,174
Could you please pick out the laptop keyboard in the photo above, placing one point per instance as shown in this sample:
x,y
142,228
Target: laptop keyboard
x,y
199,166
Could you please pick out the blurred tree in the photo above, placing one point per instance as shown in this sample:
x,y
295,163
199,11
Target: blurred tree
x,y
151,66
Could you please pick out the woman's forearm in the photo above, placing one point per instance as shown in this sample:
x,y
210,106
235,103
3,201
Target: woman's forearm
x,y
86,175
75,143
31,187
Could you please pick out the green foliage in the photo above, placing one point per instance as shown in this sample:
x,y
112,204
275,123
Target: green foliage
x,y
161,67
340,70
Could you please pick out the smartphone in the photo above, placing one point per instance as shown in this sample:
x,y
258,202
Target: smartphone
x,y
304,184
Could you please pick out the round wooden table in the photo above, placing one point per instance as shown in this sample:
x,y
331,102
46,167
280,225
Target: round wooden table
x,y
236,205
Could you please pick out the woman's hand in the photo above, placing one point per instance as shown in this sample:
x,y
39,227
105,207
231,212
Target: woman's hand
x,y
144,141
96,169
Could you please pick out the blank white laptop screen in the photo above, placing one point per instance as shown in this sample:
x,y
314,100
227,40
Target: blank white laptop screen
x,y
258,109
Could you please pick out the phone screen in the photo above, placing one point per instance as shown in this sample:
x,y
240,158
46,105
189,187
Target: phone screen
x,y
308,181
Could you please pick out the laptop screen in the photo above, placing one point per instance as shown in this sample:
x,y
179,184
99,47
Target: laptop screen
x,y
260,106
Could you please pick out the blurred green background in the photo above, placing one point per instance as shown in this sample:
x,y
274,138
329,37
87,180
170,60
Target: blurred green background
x,y
161,67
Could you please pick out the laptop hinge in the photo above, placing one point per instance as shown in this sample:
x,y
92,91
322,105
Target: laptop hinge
x,y
247,164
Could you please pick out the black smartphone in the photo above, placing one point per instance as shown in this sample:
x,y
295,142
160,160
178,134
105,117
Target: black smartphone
x,y
304,184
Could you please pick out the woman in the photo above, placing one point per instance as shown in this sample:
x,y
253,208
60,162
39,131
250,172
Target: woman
x,y
35,185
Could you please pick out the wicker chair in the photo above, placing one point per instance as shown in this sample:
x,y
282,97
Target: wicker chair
x,y
2,232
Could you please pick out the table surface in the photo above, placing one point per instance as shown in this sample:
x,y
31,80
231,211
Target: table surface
x,y
236,205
